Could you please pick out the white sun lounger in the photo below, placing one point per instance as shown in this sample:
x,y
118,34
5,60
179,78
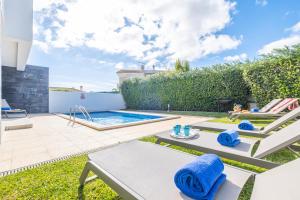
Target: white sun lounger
x,y
6,109
270,105
145,171
207,143
267,107
273,112
258,132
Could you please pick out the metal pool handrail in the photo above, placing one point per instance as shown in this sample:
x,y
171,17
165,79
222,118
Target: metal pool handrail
x,y
81,109
85,113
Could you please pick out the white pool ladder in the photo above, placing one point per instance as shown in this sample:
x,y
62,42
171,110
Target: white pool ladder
x,y
81,109
85,113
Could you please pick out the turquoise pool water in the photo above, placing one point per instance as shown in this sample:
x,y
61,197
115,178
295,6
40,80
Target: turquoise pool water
x,y
113,118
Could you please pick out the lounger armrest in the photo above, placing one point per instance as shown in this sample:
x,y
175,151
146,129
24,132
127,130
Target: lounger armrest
x,y
244,159
111,181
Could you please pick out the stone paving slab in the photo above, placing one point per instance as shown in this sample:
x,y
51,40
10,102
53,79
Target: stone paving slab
x,y
52,137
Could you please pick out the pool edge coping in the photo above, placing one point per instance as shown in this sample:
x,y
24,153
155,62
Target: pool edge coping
x,y
98,127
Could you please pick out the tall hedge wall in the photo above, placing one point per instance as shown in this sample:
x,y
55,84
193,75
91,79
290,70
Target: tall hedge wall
x,y
275,75
197,89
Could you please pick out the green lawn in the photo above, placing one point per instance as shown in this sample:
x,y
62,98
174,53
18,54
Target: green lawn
x,y
54,181
63,89
193,113
60,180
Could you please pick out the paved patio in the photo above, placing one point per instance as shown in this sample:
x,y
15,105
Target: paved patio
x,y
53,137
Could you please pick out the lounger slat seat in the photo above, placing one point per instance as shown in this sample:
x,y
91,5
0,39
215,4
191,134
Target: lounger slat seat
x,y
256,115
6,109
274,112
267,107
283,138
279,183
207,142
216,126
141,170
258,132
270,105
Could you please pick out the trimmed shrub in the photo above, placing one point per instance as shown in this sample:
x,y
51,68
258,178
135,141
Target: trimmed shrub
x,y
198,89
274,76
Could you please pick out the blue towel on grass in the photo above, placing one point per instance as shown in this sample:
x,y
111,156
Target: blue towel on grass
x,y
201,178
246,125
254,110
229,138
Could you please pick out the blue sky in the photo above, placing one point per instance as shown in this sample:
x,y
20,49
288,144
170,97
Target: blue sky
x,y
84,42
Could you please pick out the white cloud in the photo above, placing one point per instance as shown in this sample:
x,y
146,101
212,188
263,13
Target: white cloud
x,y
41,4
292,39
240,57
295,28
288,41
120,65
188,33
41,45
102,62
261,2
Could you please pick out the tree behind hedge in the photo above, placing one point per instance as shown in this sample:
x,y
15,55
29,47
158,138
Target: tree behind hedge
x,y
275,75
182,66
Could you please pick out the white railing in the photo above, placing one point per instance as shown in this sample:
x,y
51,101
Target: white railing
x,y
81,109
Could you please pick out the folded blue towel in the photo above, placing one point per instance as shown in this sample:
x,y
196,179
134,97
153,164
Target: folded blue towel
x,y
201,178
229,138
246,125
254,110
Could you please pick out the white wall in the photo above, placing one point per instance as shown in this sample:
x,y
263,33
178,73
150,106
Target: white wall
x,y
17,33
62,101
18,19
0,68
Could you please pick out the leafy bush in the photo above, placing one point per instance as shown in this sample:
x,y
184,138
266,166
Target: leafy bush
x,y
198,89
274,75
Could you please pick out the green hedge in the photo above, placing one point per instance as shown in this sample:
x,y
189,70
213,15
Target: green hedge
x,y
275,75
197,89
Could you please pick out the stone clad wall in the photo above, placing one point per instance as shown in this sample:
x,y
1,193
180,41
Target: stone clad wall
x,y
27,89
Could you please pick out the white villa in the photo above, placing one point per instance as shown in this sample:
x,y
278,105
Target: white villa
x,y
51,140
125,74
16,34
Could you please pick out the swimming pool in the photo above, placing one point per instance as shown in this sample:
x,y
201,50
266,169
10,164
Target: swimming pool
x,y
113,118
106,120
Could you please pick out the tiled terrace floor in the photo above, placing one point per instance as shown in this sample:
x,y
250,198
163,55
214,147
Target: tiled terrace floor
x,y
52,137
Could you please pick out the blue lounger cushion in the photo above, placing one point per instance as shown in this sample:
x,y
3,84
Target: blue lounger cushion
x,y
254,110
201,178
5,108
229,138
246,125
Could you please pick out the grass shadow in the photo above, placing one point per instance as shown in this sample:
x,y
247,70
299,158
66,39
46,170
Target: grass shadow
x,y
81,195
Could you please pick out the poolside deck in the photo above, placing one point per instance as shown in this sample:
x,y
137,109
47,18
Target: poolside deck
x,y
53,137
